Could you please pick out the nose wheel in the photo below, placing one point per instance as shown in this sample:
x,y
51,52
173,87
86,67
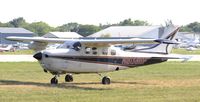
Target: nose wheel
x,y
105,80
69,78
54,81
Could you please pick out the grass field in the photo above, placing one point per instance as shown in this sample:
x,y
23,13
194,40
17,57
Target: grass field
x,y
166,82
18,52
184,51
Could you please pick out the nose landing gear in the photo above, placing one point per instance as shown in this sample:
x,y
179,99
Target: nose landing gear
x,y
54,80
105,80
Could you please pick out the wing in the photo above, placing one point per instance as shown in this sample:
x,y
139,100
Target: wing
x,y
96,42
40,43
36,39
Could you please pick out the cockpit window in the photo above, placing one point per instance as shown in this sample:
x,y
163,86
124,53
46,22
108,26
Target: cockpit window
x,y
63,46
94,50
71,45
104,51
77,46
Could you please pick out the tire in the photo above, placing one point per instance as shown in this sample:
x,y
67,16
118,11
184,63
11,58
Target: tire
x,y
106,80
68,78
54,81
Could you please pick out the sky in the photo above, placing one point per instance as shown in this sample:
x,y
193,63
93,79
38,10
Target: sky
x,y
58,12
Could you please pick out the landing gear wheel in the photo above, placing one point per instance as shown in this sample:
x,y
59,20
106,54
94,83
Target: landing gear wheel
x,y
54,81
106,80
68,78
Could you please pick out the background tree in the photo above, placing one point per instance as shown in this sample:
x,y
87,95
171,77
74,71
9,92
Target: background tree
x,y
5,25
140,23
18,22
104,26
192,27
40,28
185,29
73,27
195,26
86,30
129,22
126,22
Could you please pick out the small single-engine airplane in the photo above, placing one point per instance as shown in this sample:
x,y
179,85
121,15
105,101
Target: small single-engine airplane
x,y
85,55
8,48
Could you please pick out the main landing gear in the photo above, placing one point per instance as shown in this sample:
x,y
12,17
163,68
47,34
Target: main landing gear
x,y
68,78
54,80
105,80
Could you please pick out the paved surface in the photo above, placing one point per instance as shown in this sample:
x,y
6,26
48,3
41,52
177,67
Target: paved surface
x,y
29,58
17,58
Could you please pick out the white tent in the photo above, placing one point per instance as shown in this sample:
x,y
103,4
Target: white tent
x,y
129,31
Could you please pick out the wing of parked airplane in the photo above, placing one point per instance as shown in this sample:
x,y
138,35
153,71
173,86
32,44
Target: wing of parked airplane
x,y
8,48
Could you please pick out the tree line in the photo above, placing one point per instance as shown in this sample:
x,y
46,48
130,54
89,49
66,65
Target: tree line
x,y
42,28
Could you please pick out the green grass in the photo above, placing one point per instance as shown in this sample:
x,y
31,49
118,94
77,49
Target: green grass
x,y
184,51
171,81
18,52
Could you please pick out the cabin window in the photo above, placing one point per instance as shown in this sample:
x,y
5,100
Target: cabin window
x,y
104,51
87,50
94,50
113,52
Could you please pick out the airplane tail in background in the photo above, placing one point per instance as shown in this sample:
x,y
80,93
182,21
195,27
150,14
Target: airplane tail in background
x,y
169,33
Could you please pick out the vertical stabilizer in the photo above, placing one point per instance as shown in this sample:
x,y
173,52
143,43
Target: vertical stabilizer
x,y
169,32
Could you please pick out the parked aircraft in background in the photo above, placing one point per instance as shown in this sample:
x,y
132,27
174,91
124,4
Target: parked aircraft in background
x,y
191,48
190,42
84,55
8,48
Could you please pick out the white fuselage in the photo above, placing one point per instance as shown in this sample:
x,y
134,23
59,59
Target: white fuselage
x,y
57,62
91,60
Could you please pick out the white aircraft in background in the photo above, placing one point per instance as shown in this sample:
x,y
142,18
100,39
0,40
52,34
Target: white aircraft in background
x,y
84,55
189,43
8,48
191,48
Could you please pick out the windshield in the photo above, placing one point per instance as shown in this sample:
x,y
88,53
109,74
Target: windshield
x,y
63,46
